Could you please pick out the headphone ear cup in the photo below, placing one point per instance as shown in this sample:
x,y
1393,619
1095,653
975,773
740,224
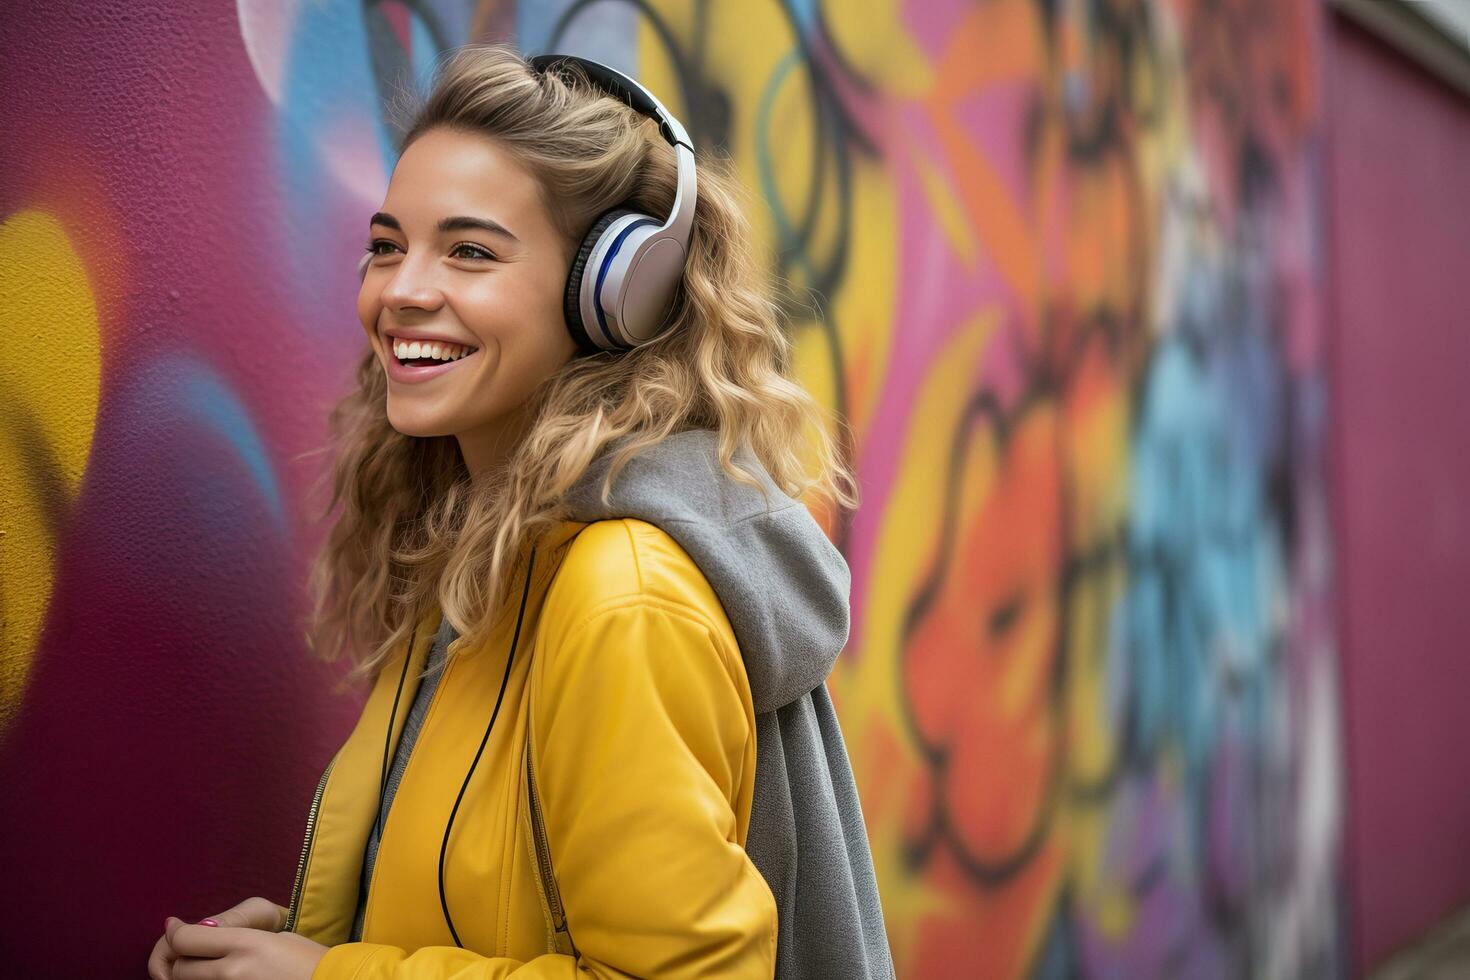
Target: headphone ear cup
x,y
572,303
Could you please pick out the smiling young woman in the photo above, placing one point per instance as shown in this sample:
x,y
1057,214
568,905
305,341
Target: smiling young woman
x,y
574,565
465,254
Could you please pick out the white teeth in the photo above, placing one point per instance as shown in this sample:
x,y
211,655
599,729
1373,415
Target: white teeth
x,y
438,350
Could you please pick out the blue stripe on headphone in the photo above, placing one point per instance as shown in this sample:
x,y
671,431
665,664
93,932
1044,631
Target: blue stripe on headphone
x,y
602,274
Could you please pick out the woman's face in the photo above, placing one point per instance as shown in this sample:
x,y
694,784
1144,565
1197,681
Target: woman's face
x,y
464,253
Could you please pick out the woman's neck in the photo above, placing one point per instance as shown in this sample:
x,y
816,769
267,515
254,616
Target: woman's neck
x,y
487,450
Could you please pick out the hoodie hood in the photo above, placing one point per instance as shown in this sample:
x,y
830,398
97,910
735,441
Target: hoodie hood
x,y
784,586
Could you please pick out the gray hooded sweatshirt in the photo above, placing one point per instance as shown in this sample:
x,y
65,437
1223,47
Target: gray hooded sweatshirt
x,y
784,587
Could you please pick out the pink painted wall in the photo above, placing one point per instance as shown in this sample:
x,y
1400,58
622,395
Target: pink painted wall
x,y
1399,224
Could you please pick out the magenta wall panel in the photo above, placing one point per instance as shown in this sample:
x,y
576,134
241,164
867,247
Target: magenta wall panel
x,y
1400,193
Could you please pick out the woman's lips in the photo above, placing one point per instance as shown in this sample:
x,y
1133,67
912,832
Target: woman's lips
x,y
405,374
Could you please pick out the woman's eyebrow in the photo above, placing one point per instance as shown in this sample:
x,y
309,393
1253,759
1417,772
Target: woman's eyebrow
x,y
457,223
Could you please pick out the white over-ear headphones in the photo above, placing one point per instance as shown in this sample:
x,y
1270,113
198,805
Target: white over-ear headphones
x,y
621,285
622,281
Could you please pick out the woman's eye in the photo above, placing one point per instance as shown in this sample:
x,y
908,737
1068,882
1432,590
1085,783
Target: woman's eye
x,y
463,249
476,252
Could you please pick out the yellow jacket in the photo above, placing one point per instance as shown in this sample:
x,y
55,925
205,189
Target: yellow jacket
x,y
622,761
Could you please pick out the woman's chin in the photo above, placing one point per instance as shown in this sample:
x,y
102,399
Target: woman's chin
x,y
419,425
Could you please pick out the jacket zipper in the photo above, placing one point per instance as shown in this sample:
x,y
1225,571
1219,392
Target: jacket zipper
x,y
543,857
316,802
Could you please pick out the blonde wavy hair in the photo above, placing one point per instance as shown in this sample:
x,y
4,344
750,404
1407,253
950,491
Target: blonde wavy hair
x,y
413,529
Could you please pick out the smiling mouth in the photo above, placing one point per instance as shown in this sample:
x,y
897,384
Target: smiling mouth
x,y
428,361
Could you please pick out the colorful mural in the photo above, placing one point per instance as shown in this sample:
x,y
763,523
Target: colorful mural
x,y
1056,262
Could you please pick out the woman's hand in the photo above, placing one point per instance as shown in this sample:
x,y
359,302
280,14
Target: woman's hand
x,y
237,953
255,919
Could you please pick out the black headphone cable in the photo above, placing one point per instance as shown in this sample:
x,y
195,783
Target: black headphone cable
x,y
510,659
388,739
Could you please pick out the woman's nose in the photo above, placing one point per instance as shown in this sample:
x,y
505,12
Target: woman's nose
x,y
411,285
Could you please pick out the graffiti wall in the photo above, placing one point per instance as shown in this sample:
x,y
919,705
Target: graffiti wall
x,y
1056,262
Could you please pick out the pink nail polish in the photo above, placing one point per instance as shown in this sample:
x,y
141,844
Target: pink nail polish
x,y
208,922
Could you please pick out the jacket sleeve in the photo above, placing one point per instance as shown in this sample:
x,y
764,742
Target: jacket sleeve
x,y
640,732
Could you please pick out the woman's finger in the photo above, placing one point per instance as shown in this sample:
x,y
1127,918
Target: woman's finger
x,y
253,913
160,961
205,941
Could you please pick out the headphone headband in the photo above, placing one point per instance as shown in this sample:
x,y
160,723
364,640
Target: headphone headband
x,y
614,82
